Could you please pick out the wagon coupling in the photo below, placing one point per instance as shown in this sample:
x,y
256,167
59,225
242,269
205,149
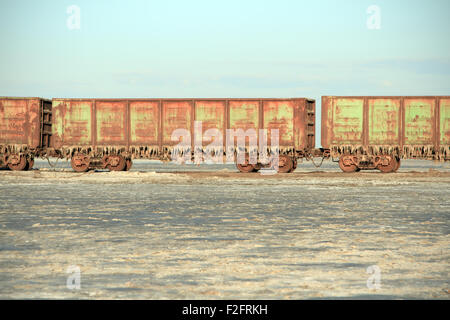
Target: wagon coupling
x,y
310,158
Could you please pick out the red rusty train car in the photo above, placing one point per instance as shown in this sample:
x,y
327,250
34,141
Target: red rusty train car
x,y
109,133
363,132
25,131
376,132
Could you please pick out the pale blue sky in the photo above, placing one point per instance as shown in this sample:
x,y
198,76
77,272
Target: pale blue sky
x,y
224,49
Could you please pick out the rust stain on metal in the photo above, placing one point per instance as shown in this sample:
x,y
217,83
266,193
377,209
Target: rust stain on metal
x,y
444,128
20,121
384,121
419,121
280,115
176,115
13,123
212,115
244,114
348,120
25,131
72,122
111,122
144,119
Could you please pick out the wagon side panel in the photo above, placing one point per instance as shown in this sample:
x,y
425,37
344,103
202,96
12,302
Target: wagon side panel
x,y
72,123
244,115
384,121
111,123
279,114
34,123
444,121
419,120
20,122
176,115
444,129
347,116
212,115
144,123
326,121
59,108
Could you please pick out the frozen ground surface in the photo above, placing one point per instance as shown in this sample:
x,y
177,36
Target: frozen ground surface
x,y
208,232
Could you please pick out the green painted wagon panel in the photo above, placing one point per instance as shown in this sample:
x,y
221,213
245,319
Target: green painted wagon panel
x,y
212,116
244,115
144,120
384,121
72,122
444,128
419,119
347,121
176,115
280,115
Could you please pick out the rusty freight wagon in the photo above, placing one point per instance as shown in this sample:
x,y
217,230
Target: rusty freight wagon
x,y
25,131
376,132
109,133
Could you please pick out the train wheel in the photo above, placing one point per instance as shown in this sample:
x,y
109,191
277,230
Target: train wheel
x,y
346,164
285,164
390,167
245,167
17,162
80,163
128,164
116,163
